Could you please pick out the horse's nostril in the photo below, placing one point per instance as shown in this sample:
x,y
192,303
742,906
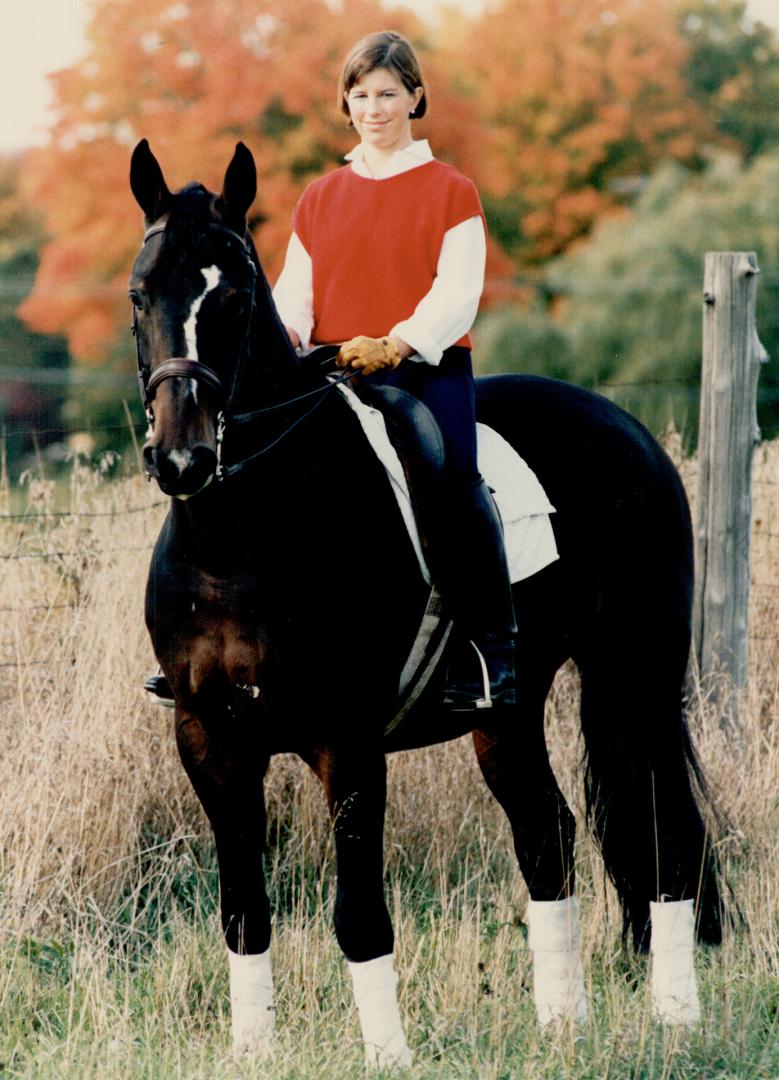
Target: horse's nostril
x,y
150,459
203,457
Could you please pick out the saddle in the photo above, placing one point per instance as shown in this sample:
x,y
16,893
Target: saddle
x,y
413,432
407,433
416,438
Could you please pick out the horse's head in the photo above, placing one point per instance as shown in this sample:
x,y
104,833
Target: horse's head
x,y
192,288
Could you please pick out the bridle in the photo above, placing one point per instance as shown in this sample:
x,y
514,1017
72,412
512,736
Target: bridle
x,y
183,367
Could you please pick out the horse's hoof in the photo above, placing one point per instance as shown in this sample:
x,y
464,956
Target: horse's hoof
x,y
673,982
259,1048
384,1058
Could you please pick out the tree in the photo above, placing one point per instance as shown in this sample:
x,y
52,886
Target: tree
x,y
624,313
194,78
581,99
559,110
733,71
30,399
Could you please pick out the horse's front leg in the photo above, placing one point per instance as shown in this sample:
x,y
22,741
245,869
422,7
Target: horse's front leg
x,y
355,783
226,769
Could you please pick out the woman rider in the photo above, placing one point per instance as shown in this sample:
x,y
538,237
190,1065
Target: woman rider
x,y
387,256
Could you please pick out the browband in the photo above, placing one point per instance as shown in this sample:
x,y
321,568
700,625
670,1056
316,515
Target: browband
x,y
155,230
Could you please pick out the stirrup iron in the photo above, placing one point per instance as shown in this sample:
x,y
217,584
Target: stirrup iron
x,y
484,702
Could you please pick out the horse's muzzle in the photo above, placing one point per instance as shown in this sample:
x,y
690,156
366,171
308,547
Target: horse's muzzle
x,y
180,472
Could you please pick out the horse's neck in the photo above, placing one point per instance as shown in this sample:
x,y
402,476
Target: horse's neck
x,y
261,510
274,371
230,521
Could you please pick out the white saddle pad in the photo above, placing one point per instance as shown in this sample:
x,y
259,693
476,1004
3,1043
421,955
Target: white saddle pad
x,y
523,505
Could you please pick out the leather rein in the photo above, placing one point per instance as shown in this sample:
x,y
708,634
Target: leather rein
x,y
183,367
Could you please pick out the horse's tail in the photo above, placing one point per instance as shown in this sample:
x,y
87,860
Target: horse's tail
x,y
645,791
648,804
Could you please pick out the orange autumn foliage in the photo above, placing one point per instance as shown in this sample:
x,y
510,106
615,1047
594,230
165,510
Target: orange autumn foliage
x,y
544,103
194,78
577,95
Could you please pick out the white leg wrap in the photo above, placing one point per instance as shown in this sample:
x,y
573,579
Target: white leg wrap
x,y
674,990
375,992
251,1001
558,979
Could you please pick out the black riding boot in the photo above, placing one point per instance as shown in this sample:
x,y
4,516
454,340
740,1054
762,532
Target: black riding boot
x,y
482,672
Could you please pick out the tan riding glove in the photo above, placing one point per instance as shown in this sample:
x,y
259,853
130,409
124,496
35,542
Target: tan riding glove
x,y
367,354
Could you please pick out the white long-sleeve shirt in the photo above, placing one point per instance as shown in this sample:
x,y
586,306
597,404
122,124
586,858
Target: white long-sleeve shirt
x,y
442,316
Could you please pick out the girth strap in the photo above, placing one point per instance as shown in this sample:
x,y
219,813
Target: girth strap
x,y
425,655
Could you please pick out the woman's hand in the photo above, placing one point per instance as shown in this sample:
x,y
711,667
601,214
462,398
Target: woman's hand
x,y
367,354
294,337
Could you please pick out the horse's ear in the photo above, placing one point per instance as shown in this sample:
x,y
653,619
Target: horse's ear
x,y
147,182
240,183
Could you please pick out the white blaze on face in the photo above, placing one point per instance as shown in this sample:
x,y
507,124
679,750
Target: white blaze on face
x,y
212,274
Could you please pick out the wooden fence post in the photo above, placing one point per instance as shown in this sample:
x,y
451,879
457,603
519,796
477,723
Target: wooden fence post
x,y
732,355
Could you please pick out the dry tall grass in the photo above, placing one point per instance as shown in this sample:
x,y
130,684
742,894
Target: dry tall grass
x,y
99,829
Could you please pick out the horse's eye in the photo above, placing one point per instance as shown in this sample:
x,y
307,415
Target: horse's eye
x,y
136,299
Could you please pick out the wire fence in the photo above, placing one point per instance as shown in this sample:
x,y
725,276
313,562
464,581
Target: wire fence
x,y
48,515
76,553
22,612
39,536
129,381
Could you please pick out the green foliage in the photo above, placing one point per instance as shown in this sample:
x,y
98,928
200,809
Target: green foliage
x,y
624,311
733,71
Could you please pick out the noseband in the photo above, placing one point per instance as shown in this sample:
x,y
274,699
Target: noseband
x,y
179,366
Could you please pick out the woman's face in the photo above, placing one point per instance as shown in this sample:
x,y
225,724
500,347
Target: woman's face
x,y
379,105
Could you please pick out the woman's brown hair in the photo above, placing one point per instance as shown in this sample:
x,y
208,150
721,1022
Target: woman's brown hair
x,y
388,50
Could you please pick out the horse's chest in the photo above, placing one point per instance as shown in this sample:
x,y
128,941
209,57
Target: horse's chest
x,y
229,652
213,626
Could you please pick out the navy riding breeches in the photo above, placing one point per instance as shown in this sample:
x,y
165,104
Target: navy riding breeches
x,y
449,393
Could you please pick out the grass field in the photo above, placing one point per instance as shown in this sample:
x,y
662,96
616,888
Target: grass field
x,y
112,964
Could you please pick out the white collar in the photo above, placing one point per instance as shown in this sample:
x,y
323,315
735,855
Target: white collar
x,y
416,153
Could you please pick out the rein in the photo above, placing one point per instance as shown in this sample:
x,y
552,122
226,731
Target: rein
x,y
183,367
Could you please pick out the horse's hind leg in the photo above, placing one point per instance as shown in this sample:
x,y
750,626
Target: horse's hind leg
x,y
640,789
642,801
226,772
515,764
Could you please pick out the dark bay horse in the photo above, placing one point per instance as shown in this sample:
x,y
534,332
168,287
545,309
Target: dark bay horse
x,y
284,596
